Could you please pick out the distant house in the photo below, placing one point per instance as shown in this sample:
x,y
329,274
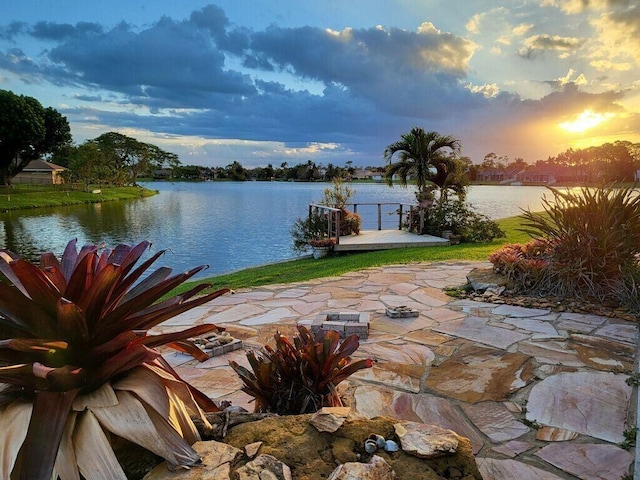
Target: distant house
x,y
491,174
548,174
496,174
40,172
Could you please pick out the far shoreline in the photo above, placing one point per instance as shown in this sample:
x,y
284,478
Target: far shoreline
x,y
27,197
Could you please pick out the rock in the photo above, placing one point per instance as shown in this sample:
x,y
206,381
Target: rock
x,y
251,450
217,459
376,469
264,467
426,441
483,279
553,434
329,419
313,455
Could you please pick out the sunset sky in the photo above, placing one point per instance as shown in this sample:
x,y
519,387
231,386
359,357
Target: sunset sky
x,y
333,80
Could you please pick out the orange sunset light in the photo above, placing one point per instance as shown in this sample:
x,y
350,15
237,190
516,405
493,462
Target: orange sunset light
x,y
585,120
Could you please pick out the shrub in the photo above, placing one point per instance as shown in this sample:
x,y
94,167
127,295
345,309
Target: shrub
x,y
307,230
350,223
591,240
524,265
338,195
300,376
78,366
458,217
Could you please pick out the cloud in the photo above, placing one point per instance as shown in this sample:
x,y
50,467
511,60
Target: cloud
x,y
9,32
569,78
619,32
607,65
537,44
509,121
489,90
233,93
522,29
63,31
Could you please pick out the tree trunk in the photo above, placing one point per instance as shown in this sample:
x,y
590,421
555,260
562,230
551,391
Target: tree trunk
x,y
5,176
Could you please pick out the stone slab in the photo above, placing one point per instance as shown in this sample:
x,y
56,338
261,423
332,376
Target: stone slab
x,y
495,421
592,403
588,461
477,329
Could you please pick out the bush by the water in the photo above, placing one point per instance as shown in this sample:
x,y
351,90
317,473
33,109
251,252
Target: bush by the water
x,y
457,216
588,246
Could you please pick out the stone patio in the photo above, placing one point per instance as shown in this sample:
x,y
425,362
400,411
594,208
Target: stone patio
x,y
541,395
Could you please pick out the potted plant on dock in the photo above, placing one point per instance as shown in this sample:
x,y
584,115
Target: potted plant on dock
x,y
321,246
311,233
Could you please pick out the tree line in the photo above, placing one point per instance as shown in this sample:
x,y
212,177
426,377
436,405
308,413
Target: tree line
x,y
308,171
114,159
29,131
618,161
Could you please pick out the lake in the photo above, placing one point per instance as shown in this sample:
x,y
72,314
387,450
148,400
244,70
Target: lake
x,y
226,225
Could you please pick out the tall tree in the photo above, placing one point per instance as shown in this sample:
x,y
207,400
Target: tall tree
x,y
27,132
420,154
86,164
129,158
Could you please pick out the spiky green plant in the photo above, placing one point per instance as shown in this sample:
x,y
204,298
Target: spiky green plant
x,y
300,376
593,239
77,364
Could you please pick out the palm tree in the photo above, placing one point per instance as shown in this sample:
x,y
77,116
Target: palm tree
x,y
419,154
450,175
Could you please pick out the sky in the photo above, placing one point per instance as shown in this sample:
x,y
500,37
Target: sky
x,y
267,82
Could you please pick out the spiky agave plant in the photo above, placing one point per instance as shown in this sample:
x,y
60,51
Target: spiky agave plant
x,y
77,364
300,376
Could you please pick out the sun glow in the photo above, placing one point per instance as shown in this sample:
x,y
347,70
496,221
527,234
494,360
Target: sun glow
x,y
584,121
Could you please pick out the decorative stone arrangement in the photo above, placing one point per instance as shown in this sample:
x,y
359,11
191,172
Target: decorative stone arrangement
x,y
217,344
283,448
345,323
401,312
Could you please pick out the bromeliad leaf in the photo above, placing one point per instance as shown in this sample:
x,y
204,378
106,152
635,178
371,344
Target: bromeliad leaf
x,y
74,325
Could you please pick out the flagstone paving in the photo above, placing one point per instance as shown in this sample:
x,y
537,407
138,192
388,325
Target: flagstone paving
x,y
541,395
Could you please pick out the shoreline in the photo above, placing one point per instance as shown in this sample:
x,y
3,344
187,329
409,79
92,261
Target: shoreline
x,y
24,199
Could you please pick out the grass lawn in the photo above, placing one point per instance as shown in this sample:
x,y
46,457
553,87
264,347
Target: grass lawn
x,y
30,196
309,268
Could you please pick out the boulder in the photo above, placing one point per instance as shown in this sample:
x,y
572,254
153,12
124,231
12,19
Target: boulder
x,y
374,469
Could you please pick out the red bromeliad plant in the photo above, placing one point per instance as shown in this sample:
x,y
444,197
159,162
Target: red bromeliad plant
x,y
77,365
300,377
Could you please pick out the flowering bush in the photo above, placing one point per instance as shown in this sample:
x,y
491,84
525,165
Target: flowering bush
x,y
524,265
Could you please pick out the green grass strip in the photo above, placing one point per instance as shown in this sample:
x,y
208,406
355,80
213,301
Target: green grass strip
x,y
26,197
308,268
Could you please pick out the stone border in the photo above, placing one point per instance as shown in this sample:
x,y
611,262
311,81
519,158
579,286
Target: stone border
x,y
345,323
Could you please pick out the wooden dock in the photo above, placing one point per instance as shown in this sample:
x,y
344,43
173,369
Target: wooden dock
x,y
386,240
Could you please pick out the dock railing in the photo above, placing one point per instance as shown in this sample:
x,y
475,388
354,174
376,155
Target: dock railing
x,y
408,214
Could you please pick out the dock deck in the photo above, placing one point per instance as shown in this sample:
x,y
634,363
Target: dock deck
x,y
385,240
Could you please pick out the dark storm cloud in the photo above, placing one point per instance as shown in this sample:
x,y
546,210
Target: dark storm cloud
x,y
171,64
167,56
63,31
9,32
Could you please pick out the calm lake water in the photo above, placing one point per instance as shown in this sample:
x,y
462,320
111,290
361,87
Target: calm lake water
x,y
227,226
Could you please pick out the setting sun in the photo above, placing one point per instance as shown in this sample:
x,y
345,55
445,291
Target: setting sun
x,y
585,120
